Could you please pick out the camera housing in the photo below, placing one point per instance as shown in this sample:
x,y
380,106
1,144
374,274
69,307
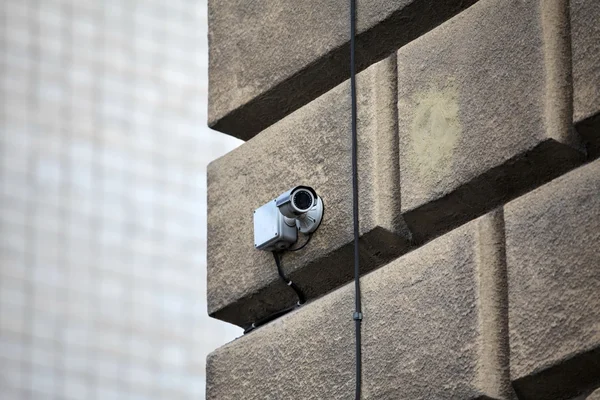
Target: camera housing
x,y
276,223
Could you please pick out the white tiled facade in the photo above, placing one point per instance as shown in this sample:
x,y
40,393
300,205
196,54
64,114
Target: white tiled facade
x,y
103,153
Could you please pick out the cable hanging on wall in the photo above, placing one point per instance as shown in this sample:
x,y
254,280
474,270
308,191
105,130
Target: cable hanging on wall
x,y
301,298
357,316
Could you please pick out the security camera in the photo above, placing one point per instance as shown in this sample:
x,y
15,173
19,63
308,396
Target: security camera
x,y
276,224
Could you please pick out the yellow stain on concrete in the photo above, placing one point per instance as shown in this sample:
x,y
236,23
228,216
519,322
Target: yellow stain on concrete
x,y
434,134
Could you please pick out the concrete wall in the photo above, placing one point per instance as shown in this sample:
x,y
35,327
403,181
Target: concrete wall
x,y
479,199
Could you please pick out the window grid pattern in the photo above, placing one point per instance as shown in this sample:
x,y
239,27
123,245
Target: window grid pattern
x,y
103,152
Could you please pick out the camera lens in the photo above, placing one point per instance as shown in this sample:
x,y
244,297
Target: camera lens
x,y
303,200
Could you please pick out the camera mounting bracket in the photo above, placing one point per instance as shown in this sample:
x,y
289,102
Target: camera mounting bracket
x,y
309,222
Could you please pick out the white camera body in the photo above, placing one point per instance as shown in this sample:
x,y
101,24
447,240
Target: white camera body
x,y
276,224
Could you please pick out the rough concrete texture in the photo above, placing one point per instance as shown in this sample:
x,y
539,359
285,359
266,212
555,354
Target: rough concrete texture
x,y
269,58
433,328
312,146
485,111
553,263
595,395
585,17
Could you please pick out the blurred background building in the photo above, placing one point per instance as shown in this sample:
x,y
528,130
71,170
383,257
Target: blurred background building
x,y
104,148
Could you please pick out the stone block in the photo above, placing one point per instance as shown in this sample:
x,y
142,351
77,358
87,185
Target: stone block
x,y
594,396
434,328
585,15
311,147
269,58
485,111
553,263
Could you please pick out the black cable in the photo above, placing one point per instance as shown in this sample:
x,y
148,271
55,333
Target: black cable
x,y
268,319
308,237
301,299
357,316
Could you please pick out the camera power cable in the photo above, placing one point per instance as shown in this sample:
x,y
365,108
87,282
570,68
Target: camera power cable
x,y
301,298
